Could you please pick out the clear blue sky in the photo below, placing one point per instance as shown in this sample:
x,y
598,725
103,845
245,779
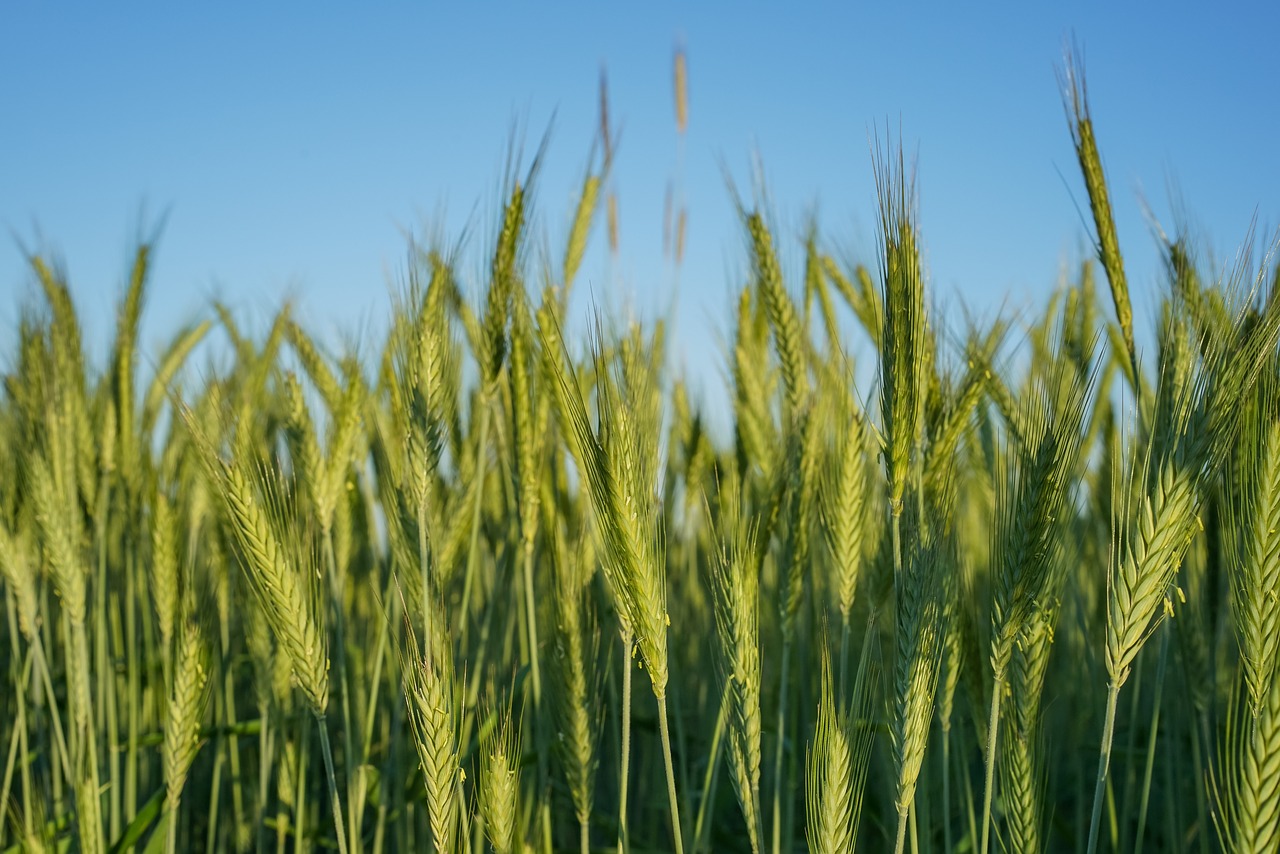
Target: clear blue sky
x,y
293,145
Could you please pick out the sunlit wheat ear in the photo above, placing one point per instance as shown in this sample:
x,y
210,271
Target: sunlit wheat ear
x,y
528,441
1035,490
124,358
164,565
624,516
433,704
787,329
314,364
839,756
59,536
751,394
273,570
737,606
844,503
583,217
1020,765
187,701
502,282
829,784
344,441
1075,98
500,784
921,591
1196,424
1253,513
1250,816
904,357
18,569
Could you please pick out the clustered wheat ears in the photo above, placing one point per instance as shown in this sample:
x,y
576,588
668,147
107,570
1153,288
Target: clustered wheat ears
x,y
267,591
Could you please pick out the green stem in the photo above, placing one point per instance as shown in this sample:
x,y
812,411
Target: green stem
x,y
333,784
778,751
134,684
171,836
844,656
215,789
300,789
106,688
993,733
946,789
901,844
265,755
665,730
624,843
1104,763
713,768
895,529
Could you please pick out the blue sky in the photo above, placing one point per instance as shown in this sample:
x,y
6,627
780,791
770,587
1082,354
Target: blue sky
x,y
291,147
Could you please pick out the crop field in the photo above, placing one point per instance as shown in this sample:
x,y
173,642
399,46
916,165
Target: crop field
x,y
492,583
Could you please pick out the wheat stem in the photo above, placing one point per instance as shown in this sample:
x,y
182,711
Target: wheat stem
x,y
665,731
779,750
332,779
624,762
1104,763
993,731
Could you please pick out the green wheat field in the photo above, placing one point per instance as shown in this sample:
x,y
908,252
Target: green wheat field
x,y
1010,585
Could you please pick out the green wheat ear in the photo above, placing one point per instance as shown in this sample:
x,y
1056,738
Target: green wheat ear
x,y
829,786
1253,517
431,694
186,706
904,357
500,784
737,614
1076,99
